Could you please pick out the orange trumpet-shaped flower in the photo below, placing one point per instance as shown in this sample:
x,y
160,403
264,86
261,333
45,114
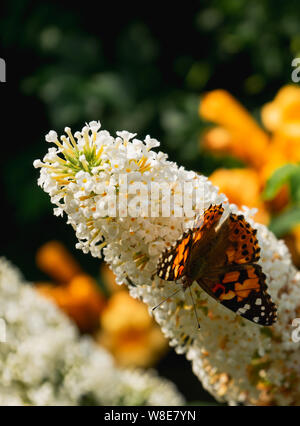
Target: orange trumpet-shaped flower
x,y
129,332
282,117
283,113
238,133
243,188
81,299
55,260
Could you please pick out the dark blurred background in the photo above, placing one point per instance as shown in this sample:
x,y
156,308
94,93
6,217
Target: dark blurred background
x,y
140,67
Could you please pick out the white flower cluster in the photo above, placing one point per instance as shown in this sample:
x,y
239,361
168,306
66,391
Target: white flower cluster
x,y
44,362
237,361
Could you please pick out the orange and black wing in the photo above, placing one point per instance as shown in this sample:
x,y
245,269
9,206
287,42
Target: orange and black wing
x,y
172,263
243,290
242,242
206,221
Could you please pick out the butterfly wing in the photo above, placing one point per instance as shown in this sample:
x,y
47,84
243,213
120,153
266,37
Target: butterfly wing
x,y
242,244
173,262
243,290
206,221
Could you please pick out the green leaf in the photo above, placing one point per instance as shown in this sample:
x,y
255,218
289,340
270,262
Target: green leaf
x,y
295,186
278,179
282,224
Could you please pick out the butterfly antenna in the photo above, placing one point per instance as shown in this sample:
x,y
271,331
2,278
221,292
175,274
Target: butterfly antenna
x,y
195,310
168,297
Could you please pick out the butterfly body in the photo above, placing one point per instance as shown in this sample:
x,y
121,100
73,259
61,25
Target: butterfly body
x,y
211,253
221,257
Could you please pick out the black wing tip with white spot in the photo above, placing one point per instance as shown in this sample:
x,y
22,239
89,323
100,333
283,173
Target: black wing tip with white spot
x,y
258,309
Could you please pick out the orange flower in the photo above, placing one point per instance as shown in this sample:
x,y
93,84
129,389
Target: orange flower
x,y
54,259
239,134
296,233
276,158
282,117
219,140
292,241
283,113
243,188
81,299
129,333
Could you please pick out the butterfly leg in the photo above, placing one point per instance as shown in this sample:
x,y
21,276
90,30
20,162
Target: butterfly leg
x,y
185,282
153,274
195,309
130,282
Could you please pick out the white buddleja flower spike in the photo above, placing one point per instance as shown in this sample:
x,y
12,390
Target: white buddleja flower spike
x,y
129,203
44,361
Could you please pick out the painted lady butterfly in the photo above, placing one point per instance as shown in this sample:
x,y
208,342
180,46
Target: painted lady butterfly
x,y
222,259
